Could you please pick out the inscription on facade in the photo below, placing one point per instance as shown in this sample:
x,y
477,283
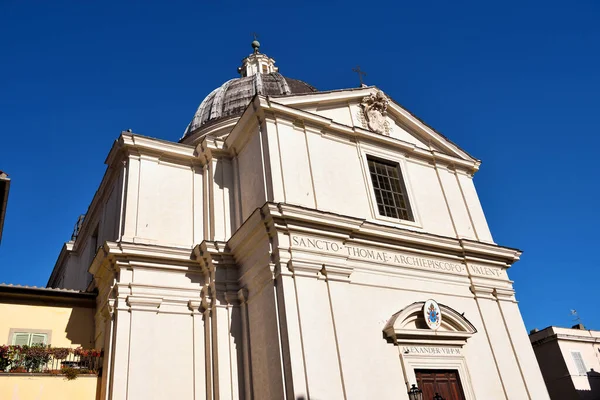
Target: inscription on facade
x,y
386,257
485,271
448,351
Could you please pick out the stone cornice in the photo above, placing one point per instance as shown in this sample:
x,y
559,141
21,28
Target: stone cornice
x,y
355,95
255,228
341,245
219,266
262,106
217,128
561,336
210,147
472,247
114,269
333,96
213,254
132,254
285,217
148,145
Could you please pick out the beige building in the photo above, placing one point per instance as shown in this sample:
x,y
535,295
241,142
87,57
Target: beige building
x,y
570,361
53,317
298,244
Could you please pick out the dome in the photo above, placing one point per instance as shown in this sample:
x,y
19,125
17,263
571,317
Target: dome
x,y
258,76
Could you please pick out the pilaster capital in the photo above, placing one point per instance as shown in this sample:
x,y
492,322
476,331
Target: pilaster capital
x,y
144,303
195,305
339,273
232,297
505,294
306,269
483,292
212,255
242,295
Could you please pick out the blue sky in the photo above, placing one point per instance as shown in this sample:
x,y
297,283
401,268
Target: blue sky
x,y
516,84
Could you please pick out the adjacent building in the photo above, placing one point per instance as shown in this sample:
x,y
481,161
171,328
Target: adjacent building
x,y
60,318
297,244
569,359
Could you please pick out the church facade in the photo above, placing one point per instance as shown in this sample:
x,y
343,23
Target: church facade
x,y
298,244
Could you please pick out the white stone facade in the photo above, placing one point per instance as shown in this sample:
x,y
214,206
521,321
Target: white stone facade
x,y
251,261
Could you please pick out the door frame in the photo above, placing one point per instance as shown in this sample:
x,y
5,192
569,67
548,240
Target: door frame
x,y
412,361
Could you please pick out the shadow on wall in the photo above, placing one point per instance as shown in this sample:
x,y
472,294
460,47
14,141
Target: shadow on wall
x,y
236,332
80,327
224,180
197,277
594,392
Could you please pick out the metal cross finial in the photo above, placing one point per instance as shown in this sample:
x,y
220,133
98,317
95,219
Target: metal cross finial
x,y
360,75
255,35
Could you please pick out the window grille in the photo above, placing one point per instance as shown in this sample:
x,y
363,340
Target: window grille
x,y
390,191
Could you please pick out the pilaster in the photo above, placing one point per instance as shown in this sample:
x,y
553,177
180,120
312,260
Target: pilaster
x,y
498,340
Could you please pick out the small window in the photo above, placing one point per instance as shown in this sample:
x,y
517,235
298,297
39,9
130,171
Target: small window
x,y
390,191
29,339
578,359
264,69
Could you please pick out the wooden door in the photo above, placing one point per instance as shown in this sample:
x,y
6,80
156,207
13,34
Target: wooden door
x,y
444,382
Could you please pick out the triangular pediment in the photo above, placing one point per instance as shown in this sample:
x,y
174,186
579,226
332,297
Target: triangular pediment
x,y
346,107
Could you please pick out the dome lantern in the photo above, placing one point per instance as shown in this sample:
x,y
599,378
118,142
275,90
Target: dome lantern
x,y
257,63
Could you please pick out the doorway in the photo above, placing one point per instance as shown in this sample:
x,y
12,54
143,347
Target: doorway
x,y
445,382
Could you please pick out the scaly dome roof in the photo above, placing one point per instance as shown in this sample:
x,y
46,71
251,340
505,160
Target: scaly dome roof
x,y
258,76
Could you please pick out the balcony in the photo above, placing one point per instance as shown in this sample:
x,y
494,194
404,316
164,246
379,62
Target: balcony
x,y
40,372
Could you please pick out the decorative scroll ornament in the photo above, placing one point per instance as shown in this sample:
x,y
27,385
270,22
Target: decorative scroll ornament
x,y
432,314
374,112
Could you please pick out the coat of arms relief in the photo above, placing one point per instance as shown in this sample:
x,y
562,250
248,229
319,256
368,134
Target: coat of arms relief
x,y
373,112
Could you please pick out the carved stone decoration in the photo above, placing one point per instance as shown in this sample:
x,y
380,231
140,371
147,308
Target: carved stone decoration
x,y
374,112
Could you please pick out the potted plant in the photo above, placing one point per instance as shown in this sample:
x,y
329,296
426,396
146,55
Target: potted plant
x,y
35,357
4,358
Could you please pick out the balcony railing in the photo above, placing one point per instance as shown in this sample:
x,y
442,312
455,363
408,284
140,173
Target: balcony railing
x,y
52,360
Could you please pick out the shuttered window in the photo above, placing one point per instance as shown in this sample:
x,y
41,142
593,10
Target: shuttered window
x,y
29,339
21,339
38,338
581,369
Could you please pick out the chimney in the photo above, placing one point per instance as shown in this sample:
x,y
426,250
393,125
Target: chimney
x,y
578,326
